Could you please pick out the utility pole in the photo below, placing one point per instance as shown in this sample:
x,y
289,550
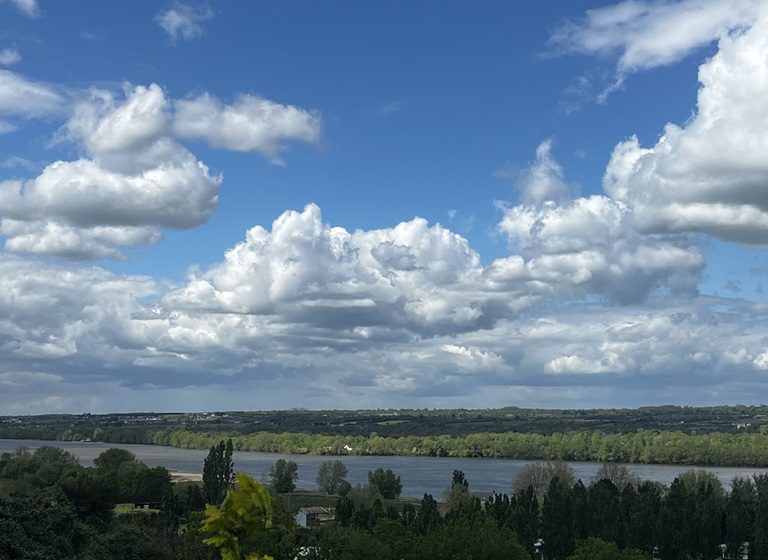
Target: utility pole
x,y
537,553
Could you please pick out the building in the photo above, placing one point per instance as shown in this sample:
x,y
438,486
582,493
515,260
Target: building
x,y
312,516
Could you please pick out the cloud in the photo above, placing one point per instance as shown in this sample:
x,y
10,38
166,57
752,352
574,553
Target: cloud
x,y
588,245
20,96
135,178
29,8
9,57
6,127
543,181
250,124
16,161
135,181
710,174
412,276
390,107
118,341
184,21
648,34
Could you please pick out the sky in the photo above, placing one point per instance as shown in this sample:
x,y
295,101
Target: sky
x,y
240,205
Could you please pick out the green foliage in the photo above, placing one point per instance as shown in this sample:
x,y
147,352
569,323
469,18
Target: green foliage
x,y
112,459
387,482
596,549
218,472
557,521
283,476
740,509
241,521
50,455
35,528
331,476
93,495
428,518
760,540
457,497
482,541
478,435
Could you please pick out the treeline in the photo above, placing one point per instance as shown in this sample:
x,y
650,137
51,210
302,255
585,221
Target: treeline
x,y
639,447
53,507
631,519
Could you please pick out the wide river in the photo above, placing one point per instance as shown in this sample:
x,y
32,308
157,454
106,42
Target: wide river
x,y
419,475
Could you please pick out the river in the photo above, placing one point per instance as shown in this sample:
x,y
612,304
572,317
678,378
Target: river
x,y
419,475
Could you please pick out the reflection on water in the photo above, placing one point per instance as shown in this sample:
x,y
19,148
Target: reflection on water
x,y
419,474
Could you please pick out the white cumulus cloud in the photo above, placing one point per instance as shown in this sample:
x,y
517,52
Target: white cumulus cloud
x,y
250,124
135,178
711,174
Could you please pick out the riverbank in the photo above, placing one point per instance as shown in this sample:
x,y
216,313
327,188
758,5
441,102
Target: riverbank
x,y
643,446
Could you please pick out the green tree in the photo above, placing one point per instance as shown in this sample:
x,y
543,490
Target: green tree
x,y
557,521
462,541
525,516
283,476
596,549
218,472
740,513
457,497
760,547
111,459
428,517
331,475
387,482
48,454
242,521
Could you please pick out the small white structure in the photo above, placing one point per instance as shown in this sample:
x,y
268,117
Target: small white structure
x,y
312,516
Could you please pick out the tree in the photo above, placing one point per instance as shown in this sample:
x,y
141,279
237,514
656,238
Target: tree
x,y
740,513
604,504
387,482
480,541
428,516
111,459
457,497
618,474
218,472
596,549
241,522
761,518
525,516
48,454
283,475
557,521
331,475
539,475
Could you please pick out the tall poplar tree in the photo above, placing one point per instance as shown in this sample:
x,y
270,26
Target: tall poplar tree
x,y
218,472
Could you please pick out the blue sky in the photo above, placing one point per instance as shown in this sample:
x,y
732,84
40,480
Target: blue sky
x,y
141,141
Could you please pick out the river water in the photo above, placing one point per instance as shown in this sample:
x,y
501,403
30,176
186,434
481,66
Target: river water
x,y
419,475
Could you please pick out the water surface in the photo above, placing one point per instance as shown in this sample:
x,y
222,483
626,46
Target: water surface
x,y
419,475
